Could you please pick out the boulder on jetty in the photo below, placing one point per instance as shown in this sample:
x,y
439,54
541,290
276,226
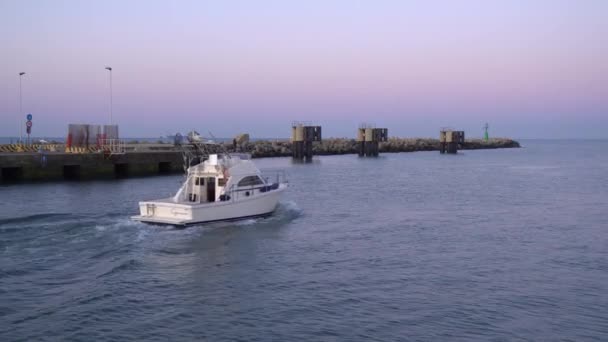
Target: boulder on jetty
x,y
332,146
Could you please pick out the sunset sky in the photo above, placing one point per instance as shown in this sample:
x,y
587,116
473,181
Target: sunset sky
x,y
531,69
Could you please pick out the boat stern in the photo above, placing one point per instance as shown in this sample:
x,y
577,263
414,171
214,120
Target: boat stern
x,y
163,212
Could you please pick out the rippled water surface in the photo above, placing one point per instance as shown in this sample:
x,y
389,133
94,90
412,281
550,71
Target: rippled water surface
x,y
485,245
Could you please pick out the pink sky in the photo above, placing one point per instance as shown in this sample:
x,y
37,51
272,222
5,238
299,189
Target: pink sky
x,y
529,68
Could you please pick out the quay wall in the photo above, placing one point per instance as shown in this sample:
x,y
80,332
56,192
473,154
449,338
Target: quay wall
x,y
155,159
17,167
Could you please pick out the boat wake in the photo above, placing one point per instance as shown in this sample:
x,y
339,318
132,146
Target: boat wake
x,y
288,210
128,232
34,218
117,224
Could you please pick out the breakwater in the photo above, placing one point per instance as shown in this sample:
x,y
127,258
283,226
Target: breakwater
x,y
334,146
41,164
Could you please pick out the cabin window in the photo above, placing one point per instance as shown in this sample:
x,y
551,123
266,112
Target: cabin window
x,y
250,181
221,182
192,197
199,181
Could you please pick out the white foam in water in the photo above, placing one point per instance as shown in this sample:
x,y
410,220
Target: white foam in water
x,y
286,211
118,224
291,206
141,235
247,222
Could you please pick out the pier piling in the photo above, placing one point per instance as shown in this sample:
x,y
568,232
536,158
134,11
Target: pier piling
x,y
302,137
368,139
450,141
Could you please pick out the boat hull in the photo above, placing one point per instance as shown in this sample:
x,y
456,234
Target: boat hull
x,y
160,222
166,212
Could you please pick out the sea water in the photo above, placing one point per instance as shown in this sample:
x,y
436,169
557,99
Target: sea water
x,y
507,244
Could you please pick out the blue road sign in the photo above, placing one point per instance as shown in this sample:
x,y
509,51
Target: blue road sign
x,y
29,117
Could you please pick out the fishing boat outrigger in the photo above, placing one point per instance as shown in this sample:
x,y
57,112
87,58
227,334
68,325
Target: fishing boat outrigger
x,y
223,187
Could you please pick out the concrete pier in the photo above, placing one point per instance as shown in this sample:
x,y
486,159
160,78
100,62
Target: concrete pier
x,y
450,141
29,166
368,139
302,137
49,162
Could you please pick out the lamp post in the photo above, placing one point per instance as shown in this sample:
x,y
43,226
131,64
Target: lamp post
x,y
110,70
20,108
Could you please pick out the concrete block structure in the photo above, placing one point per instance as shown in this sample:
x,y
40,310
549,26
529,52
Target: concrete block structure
x,y
87,136
16,167
302,138
368,139
450,141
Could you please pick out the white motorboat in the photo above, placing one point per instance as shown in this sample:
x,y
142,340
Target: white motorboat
x,y
223,187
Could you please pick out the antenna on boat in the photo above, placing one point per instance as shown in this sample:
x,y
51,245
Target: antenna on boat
x,y
193,148
224,150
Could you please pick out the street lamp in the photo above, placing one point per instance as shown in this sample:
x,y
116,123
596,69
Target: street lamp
x,y
20,108
110,70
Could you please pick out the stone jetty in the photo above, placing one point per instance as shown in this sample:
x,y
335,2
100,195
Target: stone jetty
x,y
333,146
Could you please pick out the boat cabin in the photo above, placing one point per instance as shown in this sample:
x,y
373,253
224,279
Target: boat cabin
x,y
222,178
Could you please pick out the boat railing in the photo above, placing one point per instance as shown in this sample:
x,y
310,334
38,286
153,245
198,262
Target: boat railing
x,y
274,176
114,146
